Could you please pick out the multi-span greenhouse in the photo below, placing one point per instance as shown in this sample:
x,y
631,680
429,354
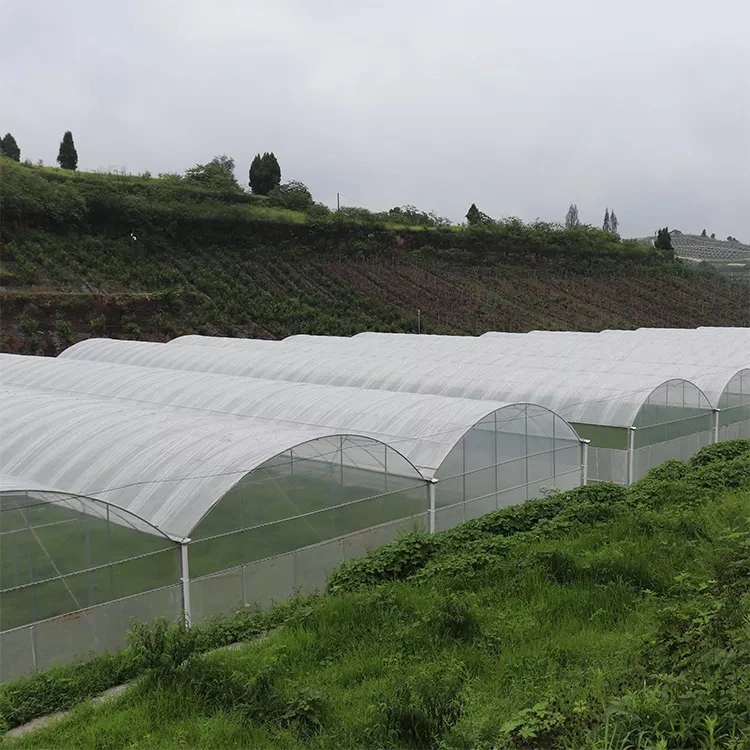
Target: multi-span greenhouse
x,y
189,478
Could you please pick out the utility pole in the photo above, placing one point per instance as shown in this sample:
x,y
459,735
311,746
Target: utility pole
x,y
338,202
419,321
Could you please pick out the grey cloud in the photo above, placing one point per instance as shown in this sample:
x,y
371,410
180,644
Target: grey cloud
x,y
521,107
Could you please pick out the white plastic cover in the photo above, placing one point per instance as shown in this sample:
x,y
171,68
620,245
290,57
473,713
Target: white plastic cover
x,y
422,427
600,398
166,468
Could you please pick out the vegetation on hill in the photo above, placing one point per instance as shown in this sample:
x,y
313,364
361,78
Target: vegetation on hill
x,y
133,256
599,618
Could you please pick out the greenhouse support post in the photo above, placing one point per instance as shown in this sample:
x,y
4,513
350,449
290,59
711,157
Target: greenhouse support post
x,y
716,425
584,462
185,570
431,496
631,454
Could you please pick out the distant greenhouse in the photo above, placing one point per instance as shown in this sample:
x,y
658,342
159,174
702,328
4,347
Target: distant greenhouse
x,y
636,413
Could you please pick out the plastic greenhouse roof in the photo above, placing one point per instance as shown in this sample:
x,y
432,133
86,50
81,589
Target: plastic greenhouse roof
x,y
422,427
712,380
10,485
612,350
166,468
593,398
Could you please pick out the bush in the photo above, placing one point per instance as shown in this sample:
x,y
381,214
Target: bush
x,y
729,474
292,195
719,452
393,562
98,325
670,470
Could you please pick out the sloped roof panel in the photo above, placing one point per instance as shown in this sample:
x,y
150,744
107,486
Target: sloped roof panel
x,y
595,398
422,427
166,468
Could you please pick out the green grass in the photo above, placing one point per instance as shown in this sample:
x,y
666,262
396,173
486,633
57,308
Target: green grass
x,y
596,619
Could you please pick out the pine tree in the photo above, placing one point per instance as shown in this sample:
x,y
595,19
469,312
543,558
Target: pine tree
x,y
264,174
571,218
606,226
67,157
473,215
273,170
614,222
663,240
9,147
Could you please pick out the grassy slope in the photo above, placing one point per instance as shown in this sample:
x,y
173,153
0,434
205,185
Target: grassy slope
x,y
227,263
611,619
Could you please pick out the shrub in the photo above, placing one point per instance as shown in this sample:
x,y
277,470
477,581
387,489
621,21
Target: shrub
x,y
393,562
292,195
728,474
725,451
64,329
98,325
130,326
159,647
671,469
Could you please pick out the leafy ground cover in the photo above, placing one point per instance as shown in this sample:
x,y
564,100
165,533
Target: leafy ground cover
x,y
597,618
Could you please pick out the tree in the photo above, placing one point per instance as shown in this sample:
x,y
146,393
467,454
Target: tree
x,y
614,222
713,235
571,218
663,240
217,174
67,157
293,195
607,226
264,174
475,217
703,233
9,147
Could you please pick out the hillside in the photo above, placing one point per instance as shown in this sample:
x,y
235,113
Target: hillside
x,y
226,262
595,618
728,257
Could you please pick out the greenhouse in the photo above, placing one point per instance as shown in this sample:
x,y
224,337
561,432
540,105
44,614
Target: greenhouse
x,y
634,422
717,360
110,511
231,489
460,442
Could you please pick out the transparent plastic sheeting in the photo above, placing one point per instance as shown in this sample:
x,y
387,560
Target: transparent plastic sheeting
x,y
607,399
726,347
712,379
62,553
424,428
166,468
734,408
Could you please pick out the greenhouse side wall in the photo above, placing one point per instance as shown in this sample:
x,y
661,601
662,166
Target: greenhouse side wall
x,y
290,522
607,454
675,422
514,454
73,572
734,408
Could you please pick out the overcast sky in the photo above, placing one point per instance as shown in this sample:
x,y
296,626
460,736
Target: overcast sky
x,y
522,106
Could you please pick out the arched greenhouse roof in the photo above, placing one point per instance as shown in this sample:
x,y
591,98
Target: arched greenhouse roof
x,y
166,468
422,427
713,380
594,397
12,488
